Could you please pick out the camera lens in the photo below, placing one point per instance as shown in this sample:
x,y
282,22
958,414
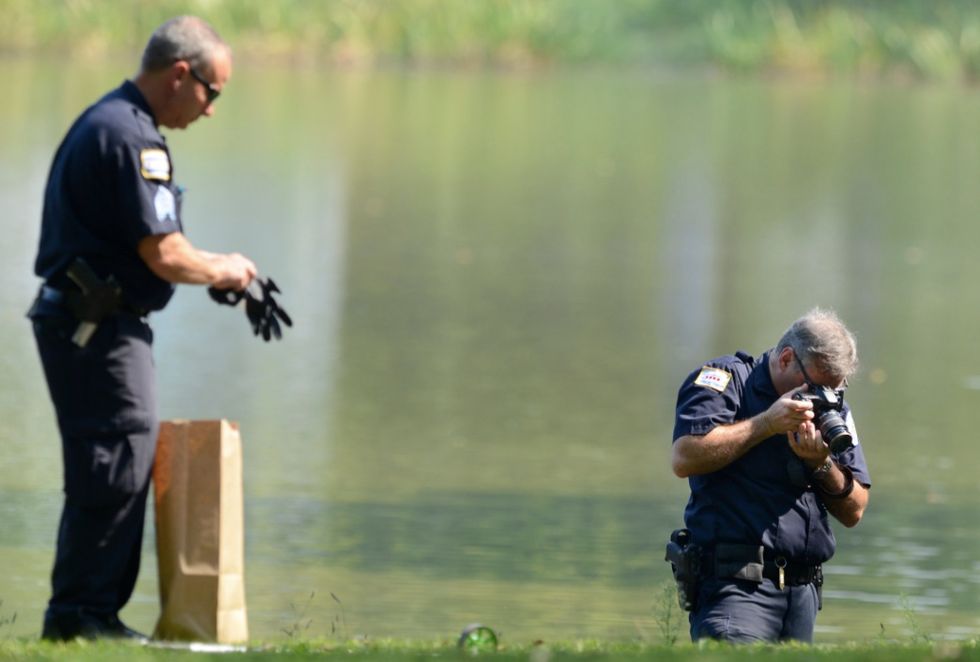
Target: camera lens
x,y
834,431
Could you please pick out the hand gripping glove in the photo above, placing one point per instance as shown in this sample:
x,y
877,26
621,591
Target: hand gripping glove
x,y
226,297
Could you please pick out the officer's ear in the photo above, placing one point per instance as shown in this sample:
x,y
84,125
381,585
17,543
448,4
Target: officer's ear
x,y
786,358
179,71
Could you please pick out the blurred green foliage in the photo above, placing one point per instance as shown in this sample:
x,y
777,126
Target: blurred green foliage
x,y
939,39
383,649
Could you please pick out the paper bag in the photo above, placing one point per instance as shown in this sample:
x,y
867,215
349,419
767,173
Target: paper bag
x,y
197,488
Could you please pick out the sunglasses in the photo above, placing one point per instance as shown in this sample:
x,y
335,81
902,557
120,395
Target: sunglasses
x,y
213,92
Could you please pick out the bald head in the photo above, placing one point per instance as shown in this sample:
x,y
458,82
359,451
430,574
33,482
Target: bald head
x,y
186,38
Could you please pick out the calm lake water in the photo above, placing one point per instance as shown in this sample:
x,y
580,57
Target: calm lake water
x,y
498,282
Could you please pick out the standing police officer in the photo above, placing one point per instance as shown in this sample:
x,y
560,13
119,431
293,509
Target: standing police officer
x,y
763,482
111,250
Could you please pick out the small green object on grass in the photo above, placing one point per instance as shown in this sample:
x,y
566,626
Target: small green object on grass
x,y
478,638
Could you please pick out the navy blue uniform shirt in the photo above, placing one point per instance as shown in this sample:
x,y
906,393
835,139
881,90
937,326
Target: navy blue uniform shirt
x,y
110,185
762,497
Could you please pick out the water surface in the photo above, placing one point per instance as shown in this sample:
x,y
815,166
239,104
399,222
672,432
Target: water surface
x,y
498,282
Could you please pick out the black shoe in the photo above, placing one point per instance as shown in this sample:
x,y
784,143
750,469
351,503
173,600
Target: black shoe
x,y
79,623
119,630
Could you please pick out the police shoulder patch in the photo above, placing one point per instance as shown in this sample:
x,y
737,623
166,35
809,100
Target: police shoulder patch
x,y
714,378
165,205
155,165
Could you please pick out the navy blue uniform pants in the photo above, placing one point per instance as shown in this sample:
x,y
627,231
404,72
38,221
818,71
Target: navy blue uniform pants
x,y
105,398
740,611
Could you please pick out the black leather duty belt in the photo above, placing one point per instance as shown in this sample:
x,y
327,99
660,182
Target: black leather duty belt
x,y
56,297
51,295
753,563
780,570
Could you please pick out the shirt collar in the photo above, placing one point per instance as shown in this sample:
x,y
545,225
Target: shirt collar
x,y
132,93
761,379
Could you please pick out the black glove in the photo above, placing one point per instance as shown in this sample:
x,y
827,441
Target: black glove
x,y
263,311
226,297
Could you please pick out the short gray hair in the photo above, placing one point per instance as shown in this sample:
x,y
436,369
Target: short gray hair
x,y
182,38
821,337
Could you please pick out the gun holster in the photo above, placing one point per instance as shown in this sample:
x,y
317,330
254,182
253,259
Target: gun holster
x,y
685,562
94,300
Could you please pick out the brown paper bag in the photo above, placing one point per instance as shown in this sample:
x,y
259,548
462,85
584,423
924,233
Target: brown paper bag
x,y
197,488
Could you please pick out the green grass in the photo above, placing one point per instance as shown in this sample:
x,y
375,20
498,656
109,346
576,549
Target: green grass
x,y
669,642
544,652
939,39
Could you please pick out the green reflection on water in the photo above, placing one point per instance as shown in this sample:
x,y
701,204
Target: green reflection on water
x,y
513,537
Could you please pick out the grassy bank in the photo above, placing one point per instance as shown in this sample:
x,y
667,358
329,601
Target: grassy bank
x,y
935,40
388,650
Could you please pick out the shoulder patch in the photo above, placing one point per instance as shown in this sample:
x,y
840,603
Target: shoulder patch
x,y
155,165
166,206
714,378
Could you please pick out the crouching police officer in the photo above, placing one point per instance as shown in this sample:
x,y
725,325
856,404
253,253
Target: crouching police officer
x,y
111,250
769,448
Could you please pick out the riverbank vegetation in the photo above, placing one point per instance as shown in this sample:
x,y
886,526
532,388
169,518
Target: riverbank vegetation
x,y
933,40
542,652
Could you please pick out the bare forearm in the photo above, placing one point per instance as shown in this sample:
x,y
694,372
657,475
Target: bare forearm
x,y
694,455
173,258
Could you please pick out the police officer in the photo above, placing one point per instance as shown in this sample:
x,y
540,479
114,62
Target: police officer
x,y
763,482
111,251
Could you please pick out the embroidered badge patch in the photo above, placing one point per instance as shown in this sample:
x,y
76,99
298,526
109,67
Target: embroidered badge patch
x,y
155,165
165,205
714,378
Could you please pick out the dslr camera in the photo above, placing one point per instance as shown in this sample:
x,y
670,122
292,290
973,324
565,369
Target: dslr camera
x,y
828,405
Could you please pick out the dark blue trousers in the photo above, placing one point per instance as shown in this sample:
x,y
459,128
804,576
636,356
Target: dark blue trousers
x,y
104,396
740,611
